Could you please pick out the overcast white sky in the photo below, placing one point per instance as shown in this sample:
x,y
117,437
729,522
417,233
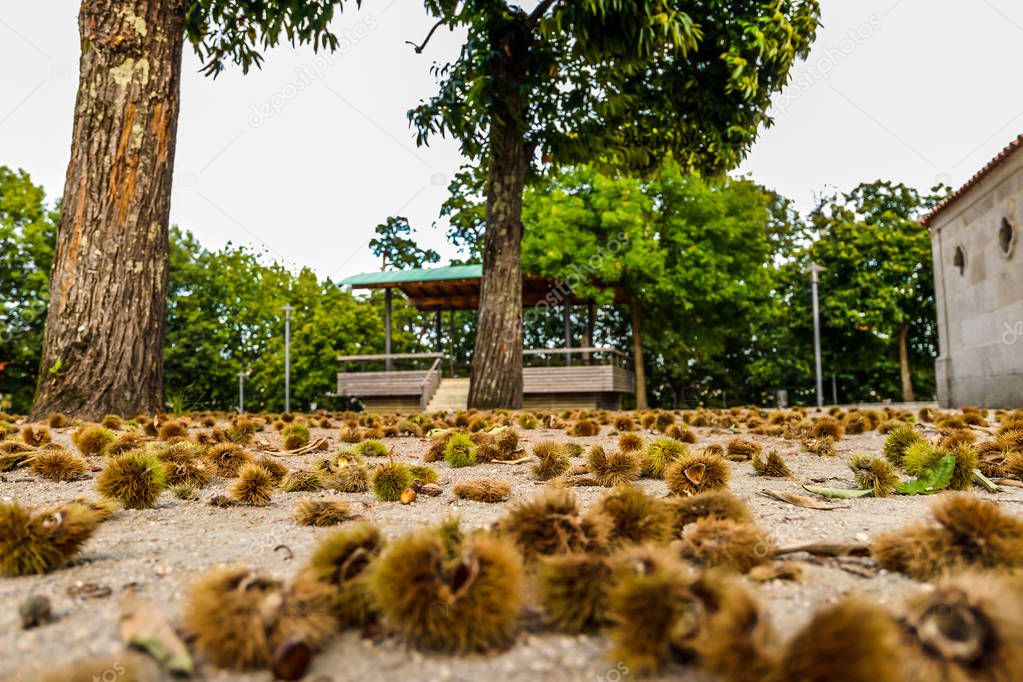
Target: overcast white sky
x,y
910,90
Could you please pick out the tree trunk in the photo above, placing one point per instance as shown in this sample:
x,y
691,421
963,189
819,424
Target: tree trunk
x,y
637,352
496,377
103,346
907,380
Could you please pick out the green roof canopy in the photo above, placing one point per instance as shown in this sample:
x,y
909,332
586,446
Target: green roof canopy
x,y
457,287
373,280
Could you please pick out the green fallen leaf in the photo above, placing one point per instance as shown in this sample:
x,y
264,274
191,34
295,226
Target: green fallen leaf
x,y
931,480
985,482
841,493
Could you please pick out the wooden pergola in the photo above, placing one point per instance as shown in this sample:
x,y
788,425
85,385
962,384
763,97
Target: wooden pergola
x,y
457,287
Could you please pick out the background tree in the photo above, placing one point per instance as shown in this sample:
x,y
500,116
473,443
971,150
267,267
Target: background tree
x,y
224,316
104,333
27,230
394,247
879,275
572,81
692,257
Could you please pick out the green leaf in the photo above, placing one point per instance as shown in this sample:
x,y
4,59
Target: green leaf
x,y
931,480
841,493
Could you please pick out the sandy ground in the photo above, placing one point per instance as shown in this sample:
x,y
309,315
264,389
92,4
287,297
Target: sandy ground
x,y
161,550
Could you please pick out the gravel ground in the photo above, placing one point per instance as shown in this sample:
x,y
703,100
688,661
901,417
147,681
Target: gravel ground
x,y
161,550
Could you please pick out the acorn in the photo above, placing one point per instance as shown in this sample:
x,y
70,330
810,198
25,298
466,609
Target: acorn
x,y
969,533
58,465
389,480
172,429
629,441
303,481
874,473
340,561
852,641
635,517
460,451
827,427
483,490
772,467
371,448
135,479
185,465
715,504
552,460
91,438
968,628
463,601
584,428
329,512
255,486
715,543
275,468
613,469
697,473
739,450
573,590
736,642
660,454
238,617
349,478
228,459
653,611
549,523
35,436
34,542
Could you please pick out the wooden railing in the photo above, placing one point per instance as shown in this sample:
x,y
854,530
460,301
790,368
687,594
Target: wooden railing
x,y
385,357
430,383
604,355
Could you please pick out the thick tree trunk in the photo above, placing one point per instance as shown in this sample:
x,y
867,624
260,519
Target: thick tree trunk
x,y
907,380
637,352
103,346
496,378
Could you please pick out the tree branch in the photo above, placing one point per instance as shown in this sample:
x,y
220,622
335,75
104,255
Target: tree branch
x,y
537,14
419,48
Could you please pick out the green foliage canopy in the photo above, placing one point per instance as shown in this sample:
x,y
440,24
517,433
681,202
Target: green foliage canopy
x,y
621,83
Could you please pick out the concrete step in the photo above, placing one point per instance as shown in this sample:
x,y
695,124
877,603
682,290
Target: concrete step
x,y
452,394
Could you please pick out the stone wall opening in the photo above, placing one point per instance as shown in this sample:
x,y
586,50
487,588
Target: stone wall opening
x,y
1006,236
959,260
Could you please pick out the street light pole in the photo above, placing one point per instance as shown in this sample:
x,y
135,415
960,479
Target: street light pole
x,y
815,270
241,392
287,358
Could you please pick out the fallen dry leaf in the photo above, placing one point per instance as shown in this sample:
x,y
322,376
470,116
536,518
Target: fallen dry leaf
x,y
800,500
144,627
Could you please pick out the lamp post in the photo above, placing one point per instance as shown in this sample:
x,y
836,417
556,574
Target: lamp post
x,y
241,392
287,357
815,270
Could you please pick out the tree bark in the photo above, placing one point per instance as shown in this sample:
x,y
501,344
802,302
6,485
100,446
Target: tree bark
x,y
907,379
103,345
496,377
637,352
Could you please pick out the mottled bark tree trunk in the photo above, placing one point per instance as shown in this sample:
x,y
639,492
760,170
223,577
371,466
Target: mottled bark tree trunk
x,y
496,378
905,376
637,351
103,346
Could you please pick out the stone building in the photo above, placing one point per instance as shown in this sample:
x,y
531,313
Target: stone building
x,y
978,284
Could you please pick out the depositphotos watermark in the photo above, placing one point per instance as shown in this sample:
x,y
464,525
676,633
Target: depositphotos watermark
x,y
561,289
1013,333
809,74
306,75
